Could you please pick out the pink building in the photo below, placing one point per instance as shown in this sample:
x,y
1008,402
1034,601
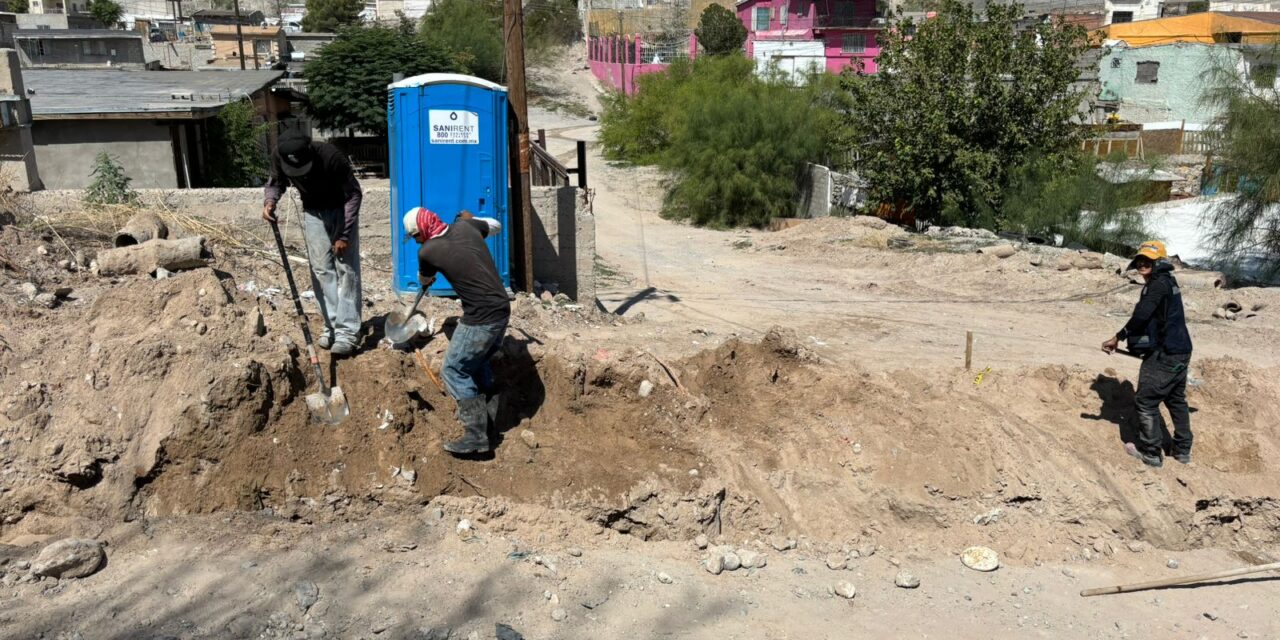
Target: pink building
x,y
799,35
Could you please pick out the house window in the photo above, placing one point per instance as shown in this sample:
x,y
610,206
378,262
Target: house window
x,y
762,19
1148,73
1263,74
1118,17
853,43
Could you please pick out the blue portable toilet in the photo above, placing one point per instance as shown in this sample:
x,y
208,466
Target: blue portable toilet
x,y
448,149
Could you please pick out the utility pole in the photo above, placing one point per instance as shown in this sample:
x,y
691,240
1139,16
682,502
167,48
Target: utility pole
x,y
239,34
513,31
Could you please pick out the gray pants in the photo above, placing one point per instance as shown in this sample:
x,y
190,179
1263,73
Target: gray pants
x,y
335,279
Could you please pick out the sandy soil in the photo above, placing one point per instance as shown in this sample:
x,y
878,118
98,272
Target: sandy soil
x,y
809,402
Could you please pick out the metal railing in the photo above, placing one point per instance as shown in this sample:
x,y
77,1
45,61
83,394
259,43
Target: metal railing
x,y
661,53
850,21
546,171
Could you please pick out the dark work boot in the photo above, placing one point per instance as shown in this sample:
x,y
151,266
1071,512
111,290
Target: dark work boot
x,y
1150,439
1184,458
1150,461
474,415
491,409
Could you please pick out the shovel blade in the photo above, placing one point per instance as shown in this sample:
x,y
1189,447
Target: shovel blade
x,y
330,408
401,329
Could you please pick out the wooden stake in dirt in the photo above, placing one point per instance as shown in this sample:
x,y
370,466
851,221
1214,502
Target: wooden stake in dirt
x,y
968,350
422,362
1169,582
670,372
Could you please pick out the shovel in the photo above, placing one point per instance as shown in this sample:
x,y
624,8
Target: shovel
x,y
329,404
402,325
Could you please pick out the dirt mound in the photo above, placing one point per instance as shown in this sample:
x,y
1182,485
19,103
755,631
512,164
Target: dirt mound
x,y
139,398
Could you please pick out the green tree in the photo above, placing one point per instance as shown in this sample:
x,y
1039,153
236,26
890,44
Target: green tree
x,y
347,81
720,31
325,16
235,137
110,185
956,106
1246,147
106,11
551,23
1072,197
19,6
472,31
735,142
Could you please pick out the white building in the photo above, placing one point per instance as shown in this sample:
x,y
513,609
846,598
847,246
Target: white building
x,y
1131,10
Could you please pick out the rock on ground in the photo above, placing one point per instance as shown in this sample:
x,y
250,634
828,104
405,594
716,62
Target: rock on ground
x,y
845,590
906,580
306,593
714,565
69,558
837,561
731,561
980,559
752,559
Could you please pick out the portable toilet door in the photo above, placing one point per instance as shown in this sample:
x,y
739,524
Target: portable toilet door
x,y
448,149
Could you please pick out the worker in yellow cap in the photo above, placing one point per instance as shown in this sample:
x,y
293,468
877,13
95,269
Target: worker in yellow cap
x,y
1157,332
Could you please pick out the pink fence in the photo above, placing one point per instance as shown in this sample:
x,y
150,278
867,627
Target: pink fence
x,y
618,60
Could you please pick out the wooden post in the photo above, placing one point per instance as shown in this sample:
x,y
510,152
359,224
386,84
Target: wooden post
x,y
582,164
622,59
968,350
513,27
1169,582
542,138
239,35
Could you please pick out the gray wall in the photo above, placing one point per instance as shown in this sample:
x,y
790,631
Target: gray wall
x,y
564,241
65,151
101,51
55,21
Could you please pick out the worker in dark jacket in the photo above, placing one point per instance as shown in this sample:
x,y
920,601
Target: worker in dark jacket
x,y
459,252
1157,332
331,227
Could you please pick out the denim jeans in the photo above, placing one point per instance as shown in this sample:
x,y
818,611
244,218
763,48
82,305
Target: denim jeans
x,y
467,372
335,279
1163,379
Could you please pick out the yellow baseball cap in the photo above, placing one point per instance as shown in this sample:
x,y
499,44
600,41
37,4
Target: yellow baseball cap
x,y
1153,249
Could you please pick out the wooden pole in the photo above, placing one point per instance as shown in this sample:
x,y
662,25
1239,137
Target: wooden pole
x,y
1169,582
239,35
968,350
513,27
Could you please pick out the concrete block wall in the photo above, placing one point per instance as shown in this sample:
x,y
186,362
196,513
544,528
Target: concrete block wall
x,y
17,151
564,241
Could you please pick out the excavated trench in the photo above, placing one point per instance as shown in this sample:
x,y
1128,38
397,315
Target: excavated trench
x,y
166,398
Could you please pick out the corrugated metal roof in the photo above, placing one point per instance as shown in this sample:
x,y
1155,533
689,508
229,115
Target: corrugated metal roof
x,y
59,93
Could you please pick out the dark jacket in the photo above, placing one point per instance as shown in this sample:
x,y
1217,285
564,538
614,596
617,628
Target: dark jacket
x,y
1158,322
329,185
